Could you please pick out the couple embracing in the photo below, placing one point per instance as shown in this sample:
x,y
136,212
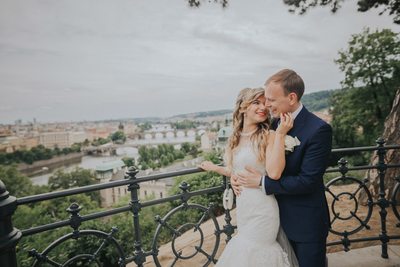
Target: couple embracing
x,y
282,213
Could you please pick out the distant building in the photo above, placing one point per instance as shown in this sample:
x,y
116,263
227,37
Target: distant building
x,y
130,129
99,132
155,189
10,144
121,127
77,137
208,141
111,171
54,139
61,139
5,131
30,142
223,135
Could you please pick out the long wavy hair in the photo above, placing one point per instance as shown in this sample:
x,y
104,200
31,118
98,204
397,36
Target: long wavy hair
x,y
259,137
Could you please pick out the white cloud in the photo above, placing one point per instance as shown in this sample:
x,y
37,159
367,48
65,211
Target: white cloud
x,y
96,59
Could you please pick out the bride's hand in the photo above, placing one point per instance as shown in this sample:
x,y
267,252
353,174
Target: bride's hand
x,y
285,124
207,165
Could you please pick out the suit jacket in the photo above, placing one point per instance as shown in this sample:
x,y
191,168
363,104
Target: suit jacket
x,y
300,191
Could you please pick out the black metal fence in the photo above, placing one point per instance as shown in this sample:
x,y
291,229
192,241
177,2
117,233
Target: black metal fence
x,y
9,236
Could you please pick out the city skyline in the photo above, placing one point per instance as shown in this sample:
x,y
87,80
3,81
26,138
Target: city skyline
x,y
99,60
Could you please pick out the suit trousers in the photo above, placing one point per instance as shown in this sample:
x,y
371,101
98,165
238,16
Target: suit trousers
x,y
310,254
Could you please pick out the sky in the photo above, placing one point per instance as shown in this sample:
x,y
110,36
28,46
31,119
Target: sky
x,y
75,60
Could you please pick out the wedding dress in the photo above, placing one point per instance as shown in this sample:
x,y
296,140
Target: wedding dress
x,y
255,243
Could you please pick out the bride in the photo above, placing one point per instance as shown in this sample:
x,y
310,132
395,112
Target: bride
x,y
259,241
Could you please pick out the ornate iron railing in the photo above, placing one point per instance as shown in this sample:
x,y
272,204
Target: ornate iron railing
x,y
383,202
9,236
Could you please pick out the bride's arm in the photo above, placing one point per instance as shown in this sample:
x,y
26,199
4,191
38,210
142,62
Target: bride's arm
x,y
275,151
209,166
275,155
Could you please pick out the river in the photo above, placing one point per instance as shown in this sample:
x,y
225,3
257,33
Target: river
x,y
91,162
88,162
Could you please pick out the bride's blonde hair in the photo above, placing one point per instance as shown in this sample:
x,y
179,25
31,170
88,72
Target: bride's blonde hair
x,y
259,137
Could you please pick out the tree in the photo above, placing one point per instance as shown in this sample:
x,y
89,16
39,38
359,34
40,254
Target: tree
x,y
118,136
57,150
185,147
129,161
185,124
197,182
391,135
164,160
28,157
197,3
86,142
371,62
100,141
17,185
194,151
144,126
76,178
76,147
392,6
213,156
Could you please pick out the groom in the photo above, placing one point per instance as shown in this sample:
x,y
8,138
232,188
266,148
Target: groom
x,y
300,193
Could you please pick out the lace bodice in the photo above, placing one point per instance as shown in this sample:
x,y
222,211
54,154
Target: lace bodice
x,y
246,154
257,220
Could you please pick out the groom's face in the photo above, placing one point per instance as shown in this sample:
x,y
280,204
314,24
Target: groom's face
x,y
276,100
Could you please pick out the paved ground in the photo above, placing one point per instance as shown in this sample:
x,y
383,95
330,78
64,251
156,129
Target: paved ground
x,y
365,257
356,257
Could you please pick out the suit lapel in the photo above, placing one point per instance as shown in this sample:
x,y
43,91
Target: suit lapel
x,y
274,123
299,121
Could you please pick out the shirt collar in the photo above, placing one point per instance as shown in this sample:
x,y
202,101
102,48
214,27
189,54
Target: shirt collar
x,y
297,111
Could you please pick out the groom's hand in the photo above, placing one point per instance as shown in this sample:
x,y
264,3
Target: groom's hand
x,y
235,185
250,178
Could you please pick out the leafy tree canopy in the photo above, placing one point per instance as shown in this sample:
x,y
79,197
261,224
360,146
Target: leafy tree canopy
x,y
118,136
391,6
371,65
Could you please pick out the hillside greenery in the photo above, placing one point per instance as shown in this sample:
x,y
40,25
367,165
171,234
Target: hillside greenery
x,y
317,101
35,154
162,155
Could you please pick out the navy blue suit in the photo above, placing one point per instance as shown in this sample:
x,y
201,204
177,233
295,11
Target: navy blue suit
x,y
300,193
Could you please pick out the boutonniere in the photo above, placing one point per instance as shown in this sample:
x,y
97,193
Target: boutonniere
x,y
290,143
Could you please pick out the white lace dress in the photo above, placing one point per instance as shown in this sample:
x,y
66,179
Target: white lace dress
x,y
257,220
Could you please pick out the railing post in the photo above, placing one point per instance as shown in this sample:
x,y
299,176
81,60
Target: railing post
x,y
75,218
9,236
228,228
343,167
139,255
382,201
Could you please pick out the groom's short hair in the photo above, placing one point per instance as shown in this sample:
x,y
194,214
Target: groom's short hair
x,y
290,81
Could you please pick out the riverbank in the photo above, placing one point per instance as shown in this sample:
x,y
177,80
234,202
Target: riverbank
x,y
44,166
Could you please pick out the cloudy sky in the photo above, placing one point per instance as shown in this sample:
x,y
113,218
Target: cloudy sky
x,y
100,59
